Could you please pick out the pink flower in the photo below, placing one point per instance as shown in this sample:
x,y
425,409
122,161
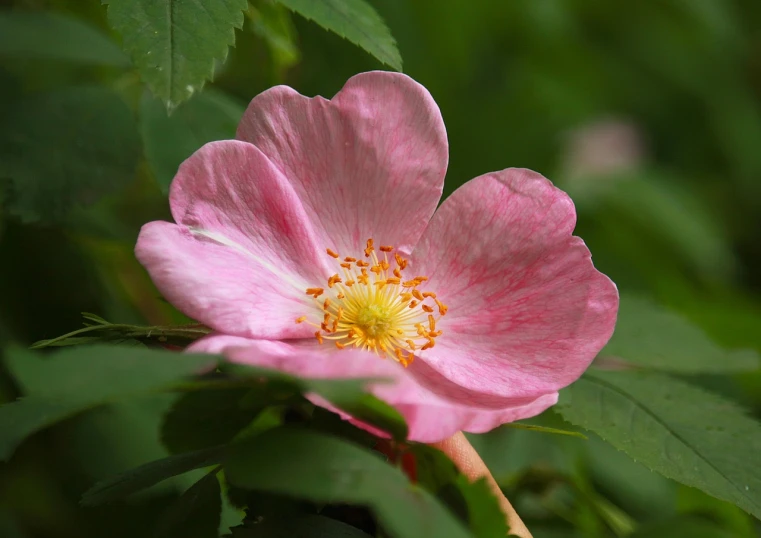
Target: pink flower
x,y
310,245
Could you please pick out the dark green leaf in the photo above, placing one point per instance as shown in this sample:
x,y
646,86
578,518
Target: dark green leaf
x,y
355,20
149,474
50,35
652,336
206,418
64,148
320,468
304,526
674,428
683,526
81,378
169,140
176,43
195,514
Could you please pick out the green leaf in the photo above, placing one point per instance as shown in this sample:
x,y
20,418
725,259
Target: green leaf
x,y
149,474
176,43
683,526
679,430
485,517
169,140
196,514
65,148
304,526
321,468
206,418
55,36
347,394
75,380
355,20
651,336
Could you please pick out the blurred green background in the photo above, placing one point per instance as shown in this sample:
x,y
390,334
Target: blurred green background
x,y
648,113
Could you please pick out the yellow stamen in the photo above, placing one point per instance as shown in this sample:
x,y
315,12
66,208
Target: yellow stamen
x,y
385,314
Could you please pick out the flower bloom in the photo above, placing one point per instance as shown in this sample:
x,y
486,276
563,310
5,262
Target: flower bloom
x,y
310,245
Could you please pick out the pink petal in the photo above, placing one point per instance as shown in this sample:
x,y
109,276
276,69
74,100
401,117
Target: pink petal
x,y
368,163
243,251
431,417
527,310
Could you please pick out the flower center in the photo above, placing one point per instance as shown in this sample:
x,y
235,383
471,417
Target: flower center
x,y
373,307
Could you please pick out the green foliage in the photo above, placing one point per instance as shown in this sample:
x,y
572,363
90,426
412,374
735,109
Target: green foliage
x,y
169,140
309,526
322,468
50,35
175,43
149,474
651,336
78,375
196,514
355,20
674,428
207,418
64,148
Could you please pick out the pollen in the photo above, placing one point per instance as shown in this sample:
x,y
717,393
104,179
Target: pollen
x,y
371,306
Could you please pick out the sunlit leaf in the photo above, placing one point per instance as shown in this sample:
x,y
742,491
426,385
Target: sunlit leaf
x,y
175,43
679,430
355,20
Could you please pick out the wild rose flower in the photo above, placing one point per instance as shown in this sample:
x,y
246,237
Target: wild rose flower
x,y
310,245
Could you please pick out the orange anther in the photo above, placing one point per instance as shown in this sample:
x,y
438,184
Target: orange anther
x,y
386,248
362,263
332,281
384,265
397,272
429,344
363,278
340,313
350,283
417,295
369,248
351,334
332,253
392,280
410,283
434,334
411,344
429,294
326,317
334,327
324,327
318,336
431,322
420,329
315,292
339,345
376,269
421,278
401,262
426,308
342,296
346,265
442,307
302,319
413,304
326,304
349,259
405,297
380,284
